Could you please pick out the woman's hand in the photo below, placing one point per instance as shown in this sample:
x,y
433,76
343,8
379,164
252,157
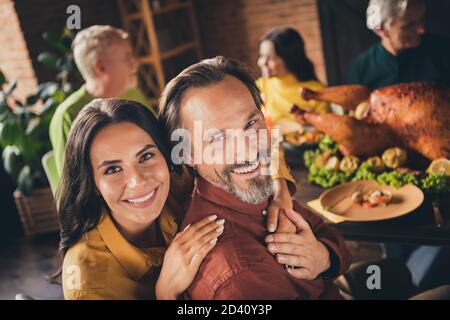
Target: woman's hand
x,y
184,256
281,201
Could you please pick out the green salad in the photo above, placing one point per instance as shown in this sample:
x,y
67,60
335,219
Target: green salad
x,y
327,168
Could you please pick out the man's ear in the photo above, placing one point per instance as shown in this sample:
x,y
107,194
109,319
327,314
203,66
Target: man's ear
x,y
98,66
382,32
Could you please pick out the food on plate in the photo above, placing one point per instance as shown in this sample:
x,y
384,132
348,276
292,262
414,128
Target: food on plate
x,y
394,158
333,163
373,169
413,116
349,164
298,138
376,163
440,166
372,198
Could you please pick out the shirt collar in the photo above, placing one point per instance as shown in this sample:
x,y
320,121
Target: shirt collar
x,y
132,259
225,199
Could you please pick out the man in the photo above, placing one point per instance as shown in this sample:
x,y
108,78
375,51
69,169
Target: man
x,y
105,59
404,53
220,96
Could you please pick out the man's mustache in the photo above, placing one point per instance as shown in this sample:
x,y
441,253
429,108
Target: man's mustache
x,y
262,156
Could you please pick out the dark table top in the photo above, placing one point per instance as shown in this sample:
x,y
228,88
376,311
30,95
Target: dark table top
x,y
418,227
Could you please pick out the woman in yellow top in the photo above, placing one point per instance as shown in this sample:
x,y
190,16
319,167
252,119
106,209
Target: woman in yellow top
x,y
285,69
118,218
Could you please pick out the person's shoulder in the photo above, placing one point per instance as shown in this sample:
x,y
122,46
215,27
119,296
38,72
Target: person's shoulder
x,y
85,268
362,64
261,83
67,108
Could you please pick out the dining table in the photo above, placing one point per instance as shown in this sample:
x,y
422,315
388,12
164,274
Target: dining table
x,y
419,227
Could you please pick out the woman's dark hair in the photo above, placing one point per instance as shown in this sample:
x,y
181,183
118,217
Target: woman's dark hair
x,y
290,47
80,207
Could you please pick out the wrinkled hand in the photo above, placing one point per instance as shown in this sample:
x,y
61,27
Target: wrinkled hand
x,y
184,256
301,249
281,201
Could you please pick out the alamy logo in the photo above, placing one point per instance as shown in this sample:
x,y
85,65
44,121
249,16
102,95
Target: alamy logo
x,y
74,20
73,280
374,280
373,17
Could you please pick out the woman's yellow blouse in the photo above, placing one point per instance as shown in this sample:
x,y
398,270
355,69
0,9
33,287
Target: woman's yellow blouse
x,y
280,93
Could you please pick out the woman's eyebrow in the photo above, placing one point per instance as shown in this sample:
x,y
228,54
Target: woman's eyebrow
x,y
107,163
148,146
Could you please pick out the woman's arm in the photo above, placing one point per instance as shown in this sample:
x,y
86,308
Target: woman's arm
x,y
284,188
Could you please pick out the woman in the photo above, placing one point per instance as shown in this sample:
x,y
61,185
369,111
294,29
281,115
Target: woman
x,y
285,69
118,218
114,224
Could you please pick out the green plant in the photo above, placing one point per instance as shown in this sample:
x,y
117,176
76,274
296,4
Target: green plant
x,y
24,124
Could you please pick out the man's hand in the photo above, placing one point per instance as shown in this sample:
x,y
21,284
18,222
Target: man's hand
x,y
281,201
301,249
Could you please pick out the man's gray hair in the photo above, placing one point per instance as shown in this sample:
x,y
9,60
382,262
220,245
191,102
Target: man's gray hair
x,y
92,43
382,12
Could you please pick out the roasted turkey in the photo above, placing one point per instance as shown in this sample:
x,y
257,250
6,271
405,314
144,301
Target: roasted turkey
x,y
414,116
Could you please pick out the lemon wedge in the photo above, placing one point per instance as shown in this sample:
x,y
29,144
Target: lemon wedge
x,y
440,166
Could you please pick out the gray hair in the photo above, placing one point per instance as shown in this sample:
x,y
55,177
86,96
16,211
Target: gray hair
x,y
92,43
383,12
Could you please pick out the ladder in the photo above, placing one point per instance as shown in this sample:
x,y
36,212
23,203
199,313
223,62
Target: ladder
x,y
138,18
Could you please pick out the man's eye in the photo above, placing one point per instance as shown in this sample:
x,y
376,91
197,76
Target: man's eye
x,y
216,139
251,123
112,170
146,156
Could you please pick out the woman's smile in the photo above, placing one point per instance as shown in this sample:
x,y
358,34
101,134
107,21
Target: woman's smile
x,y
142,201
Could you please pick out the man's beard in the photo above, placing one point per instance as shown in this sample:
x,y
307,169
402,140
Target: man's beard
x,y
259,188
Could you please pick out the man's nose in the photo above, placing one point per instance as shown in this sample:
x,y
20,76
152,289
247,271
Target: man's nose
x,y
247,147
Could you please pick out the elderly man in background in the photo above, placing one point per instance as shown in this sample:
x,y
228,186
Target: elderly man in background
x,y
105,59
406,54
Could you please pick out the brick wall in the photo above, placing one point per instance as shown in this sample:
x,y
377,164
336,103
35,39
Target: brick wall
x,y
228,27
233,27
15,60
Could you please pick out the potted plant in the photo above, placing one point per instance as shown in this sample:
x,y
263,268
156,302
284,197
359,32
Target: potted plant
x,y
24,138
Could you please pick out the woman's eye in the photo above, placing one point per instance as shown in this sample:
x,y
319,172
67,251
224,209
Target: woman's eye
x,y
146,156
112,170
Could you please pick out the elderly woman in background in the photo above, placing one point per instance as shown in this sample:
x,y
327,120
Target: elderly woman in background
x,y
285,69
